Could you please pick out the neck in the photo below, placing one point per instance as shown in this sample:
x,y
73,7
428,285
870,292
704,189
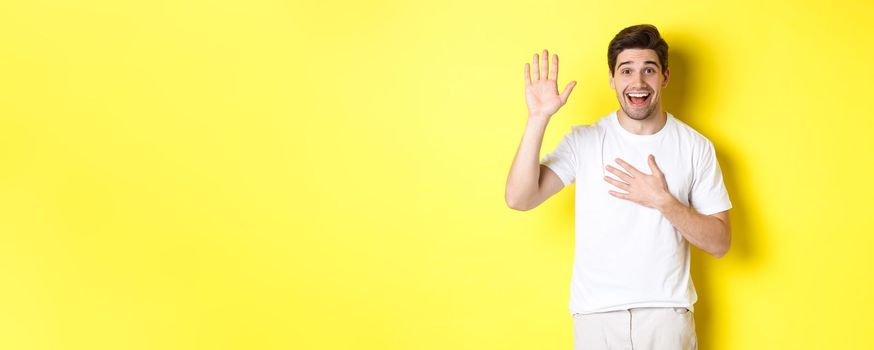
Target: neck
x,y
648,126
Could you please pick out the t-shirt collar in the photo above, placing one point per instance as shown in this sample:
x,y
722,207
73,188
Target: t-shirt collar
x,y
614,120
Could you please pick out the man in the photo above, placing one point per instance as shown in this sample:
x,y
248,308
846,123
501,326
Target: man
x,y
647,186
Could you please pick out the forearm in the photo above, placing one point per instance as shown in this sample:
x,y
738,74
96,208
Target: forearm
x,y
524,177
704,231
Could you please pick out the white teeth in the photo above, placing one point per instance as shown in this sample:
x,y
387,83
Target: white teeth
x,y
638,94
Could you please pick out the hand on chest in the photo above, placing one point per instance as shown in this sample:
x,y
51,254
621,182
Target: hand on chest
x,y
630,164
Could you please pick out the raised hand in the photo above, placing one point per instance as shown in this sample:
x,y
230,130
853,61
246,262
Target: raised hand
x,y
541,90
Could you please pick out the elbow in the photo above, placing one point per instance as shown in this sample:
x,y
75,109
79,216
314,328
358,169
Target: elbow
x,y
723,248
515,204
719,252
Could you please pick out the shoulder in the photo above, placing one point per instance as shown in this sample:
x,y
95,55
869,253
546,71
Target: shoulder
x,y
593,130
582,132
695,139
586,134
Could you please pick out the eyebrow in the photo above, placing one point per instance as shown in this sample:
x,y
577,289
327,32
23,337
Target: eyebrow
x,y
645,62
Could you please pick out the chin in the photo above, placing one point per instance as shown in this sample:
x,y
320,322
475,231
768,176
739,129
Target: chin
x,y
641,115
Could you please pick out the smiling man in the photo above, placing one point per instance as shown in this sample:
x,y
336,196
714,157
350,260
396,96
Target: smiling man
x,y
647,186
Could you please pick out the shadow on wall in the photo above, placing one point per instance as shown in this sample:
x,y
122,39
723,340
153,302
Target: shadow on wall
x,y
687,78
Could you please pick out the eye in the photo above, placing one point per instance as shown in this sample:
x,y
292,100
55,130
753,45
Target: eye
x,y
649,71
625,71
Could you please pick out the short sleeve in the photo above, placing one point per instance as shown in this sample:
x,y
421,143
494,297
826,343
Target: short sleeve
x,y
708,195
563,159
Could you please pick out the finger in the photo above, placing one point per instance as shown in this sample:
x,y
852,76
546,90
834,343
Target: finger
x,y
621,174
619,195
553,71
653,166
623,186
630,169
567,92
544,64
527,75
536,67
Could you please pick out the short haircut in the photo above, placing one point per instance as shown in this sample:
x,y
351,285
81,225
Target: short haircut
x,y
641,36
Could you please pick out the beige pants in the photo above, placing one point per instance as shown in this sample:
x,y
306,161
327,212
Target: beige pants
x,y
651,328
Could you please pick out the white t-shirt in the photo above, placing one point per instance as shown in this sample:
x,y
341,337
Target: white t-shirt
x,y
627,255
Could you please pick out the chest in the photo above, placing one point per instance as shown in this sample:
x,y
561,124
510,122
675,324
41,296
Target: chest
x,y
672,156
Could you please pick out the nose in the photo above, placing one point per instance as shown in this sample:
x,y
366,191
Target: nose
x,y
638,79
637,82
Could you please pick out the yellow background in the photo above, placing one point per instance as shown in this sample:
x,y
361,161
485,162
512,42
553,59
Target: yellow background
x,y
330,175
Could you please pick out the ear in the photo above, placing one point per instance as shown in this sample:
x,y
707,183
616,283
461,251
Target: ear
x,y
612,85
667,77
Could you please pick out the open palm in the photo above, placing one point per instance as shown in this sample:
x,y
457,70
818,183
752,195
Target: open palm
x,y
541,90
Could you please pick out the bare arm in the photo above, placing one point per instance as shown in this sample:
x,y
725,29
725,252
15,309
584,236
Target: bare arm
x,y
529,183
711,233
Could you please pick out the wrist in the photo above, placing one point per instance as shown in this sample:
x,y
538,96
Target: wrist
x,y
538,119
666,203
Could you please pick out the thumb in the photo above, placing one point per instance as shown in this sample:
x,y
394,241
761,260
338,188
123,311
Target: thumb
x,y
567,91
653,166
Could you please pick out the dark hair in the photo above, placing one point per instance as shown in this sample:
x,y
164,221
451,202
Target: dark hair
x,y
642,36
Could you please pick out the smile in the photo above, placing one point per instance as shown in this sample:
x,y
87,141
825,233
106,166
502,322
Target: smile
x,y
638,99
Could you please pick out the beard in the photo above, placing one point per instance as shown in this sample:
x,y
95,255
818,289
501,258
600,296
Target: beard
x,y
637,113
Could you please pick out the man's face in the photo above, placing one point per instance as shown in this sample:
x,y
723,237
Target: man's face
x,y
638,81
